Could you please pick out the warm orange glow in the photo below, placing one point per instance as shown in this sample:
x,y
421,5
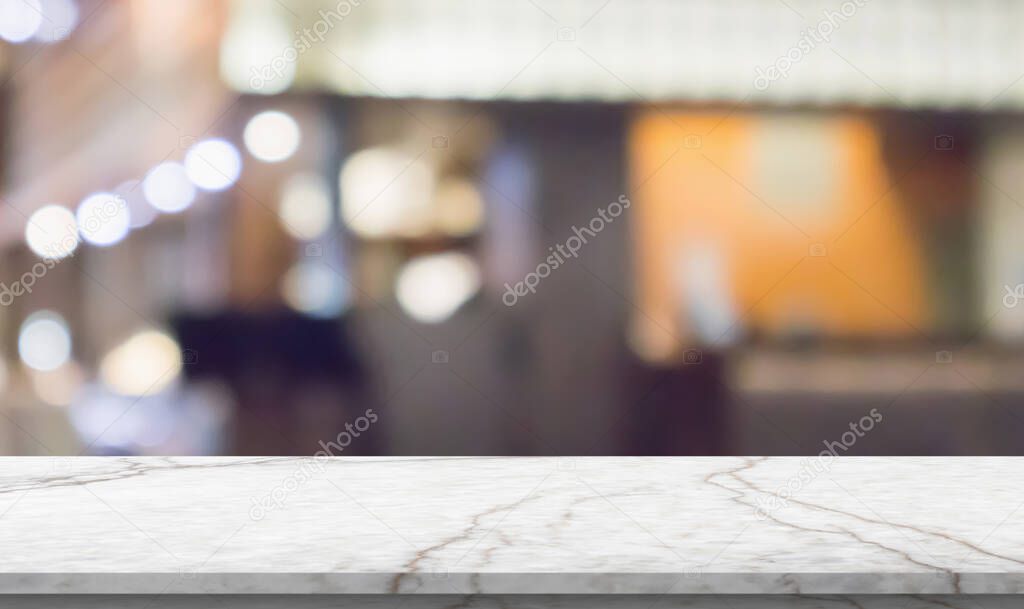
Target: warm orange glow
x,y
720,192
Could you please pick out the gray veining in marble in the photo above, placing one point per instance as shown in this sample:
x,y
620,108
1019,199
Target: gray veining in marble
x,y
519,601
456,526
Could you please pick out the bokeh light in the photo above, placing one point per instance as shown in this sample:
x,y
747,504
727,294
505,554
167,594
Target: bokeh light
x,y
145,364
44,341
305,208
168,188
458,208
430,289
315,290
386,192
58,387
272,136
213,164
103,219
140,212
52,232
20,19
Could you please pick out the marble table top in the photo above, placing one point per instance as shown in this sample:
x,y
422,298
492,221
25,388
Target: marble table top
x,y
819,525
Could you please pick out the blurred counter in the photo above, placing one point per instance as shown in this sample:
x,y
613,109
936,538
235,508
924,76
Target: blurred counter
x,y
877,370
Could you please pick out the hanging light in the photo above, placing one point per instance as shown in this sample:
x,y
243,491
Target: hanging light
x,y
168,189
52,232
44,341
272,136
213,164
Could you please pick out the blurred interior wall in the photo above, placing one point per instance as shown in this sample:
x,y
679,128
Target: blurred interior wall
x,y
542,376
1001,193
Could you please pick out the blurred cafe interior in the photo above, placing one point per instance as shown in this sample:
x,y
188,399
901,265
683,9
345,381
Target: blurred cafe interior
x,y
511,227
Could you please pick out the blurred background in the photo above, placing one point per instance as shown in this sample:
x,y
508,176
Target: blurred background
x,y
652,227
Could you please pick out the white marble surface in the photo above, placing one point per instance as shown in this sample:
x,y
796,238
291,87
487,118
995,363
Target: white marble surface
x,y
517,601
455,526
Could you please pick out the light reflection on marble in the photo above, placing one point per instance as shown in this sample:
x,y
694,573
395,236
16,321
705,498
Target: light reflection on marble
x,y
923,526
